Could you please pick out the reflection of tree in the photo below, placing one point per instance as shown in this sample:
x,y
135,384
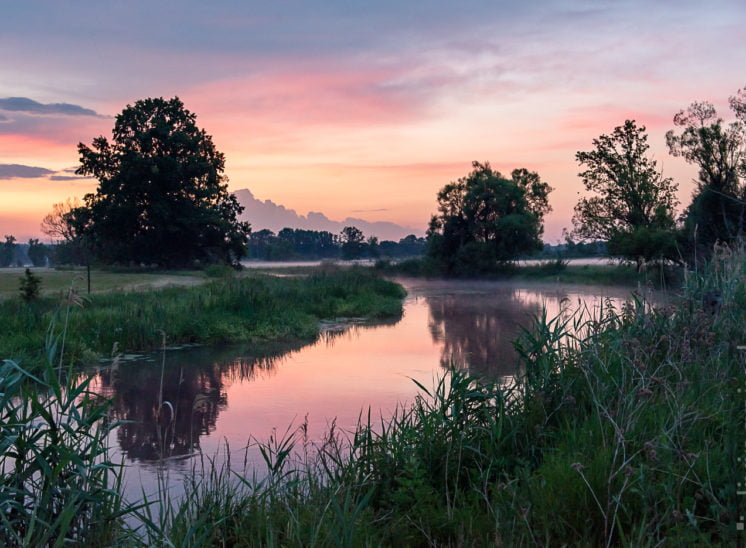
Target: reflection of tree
x,y
478,329
193,383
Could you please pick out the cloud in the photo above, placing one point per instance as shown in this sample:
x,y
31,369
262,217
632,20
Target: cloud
x,y
69,178
18,171
4,119
29,106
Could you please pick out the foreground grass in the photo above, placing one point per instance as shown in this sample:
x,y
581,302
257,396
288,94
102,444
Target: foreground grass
x,y
225,310
627,435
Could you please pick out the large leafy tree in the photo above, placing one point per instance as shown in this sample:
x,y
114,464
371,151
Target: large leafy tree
x,y
162,197
631,204
485,219
718,208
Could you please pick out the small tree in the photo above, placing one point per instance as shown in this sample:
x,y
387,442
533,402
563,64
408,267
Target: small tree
x,y
632,206
7,251
486,219
352,242
30,286
59,224
372,247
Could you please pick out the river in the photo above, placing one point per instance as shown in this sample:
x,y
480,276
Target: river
x,y
215,400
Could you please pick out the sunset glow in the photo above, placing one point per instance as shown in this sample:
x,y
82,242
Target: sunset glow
x,y
360,110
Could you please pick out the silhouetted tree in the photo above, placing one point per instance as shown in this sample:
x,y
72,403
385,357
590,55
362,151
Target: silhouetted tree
x,y
59,224
30,286
8,251
162,196
632,206
372,249
352,242
718,208
485,219
37,252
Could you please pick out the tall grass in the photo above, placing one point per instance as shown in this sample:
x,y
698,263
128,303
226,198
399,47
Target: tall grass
x,y
226,310
624,429
58,485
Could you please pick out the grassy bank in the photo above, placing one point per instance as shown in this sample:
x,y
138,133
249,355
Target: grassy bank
x,y
225,310
629,435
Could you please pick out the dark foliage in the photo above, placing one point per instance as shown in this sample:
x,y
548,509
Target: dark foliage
x,y
162,197
485,220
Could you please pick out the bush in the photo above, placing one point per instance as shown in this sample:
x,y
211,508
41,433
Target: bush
x,y
219,271
30,286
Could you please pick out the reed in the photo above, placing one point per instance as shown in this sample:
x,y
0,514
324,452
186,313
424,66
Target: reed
x,y
58,485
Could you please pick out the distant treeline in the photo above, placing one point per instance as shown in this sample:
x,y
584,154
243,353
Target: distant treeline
x,y
572,250
33,252
294,244
287,245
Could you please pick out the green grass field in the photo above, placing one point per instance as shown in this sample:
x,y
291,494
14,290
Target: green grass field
x,y
54,282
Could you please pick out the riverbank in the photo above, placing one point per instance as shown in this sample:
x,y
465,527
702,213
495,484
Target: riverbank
x,y
227,310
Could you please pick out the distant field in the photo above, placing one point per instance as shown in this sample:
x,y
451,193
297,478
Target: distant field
x,y
55,281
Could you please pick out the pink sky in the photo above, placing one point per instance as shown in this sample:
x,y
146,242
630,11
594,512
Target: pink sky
x,y
345,109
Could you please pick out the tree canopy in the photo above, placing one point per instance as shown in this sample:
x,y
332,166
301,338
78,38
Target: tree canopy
x,y
485,219
718,208
632,204
162,197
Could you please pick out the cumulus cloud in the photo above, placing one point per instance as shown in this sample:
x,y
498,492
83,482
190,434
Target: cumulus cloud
x,y
29,106
18,171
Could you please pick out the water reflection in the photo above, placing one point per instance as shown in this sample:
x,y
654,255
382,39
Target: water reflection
x,y
477,330
477,322
168,408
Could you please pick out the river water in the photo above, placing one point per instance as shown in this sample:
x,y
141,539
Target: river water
x,y
190,404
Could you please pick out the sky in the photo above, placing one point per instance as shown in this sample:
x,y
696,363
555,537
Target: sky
x,y
362,109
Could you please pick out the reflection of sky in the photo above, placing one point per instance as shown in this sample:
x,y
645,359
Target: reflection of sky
x,y
373,367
